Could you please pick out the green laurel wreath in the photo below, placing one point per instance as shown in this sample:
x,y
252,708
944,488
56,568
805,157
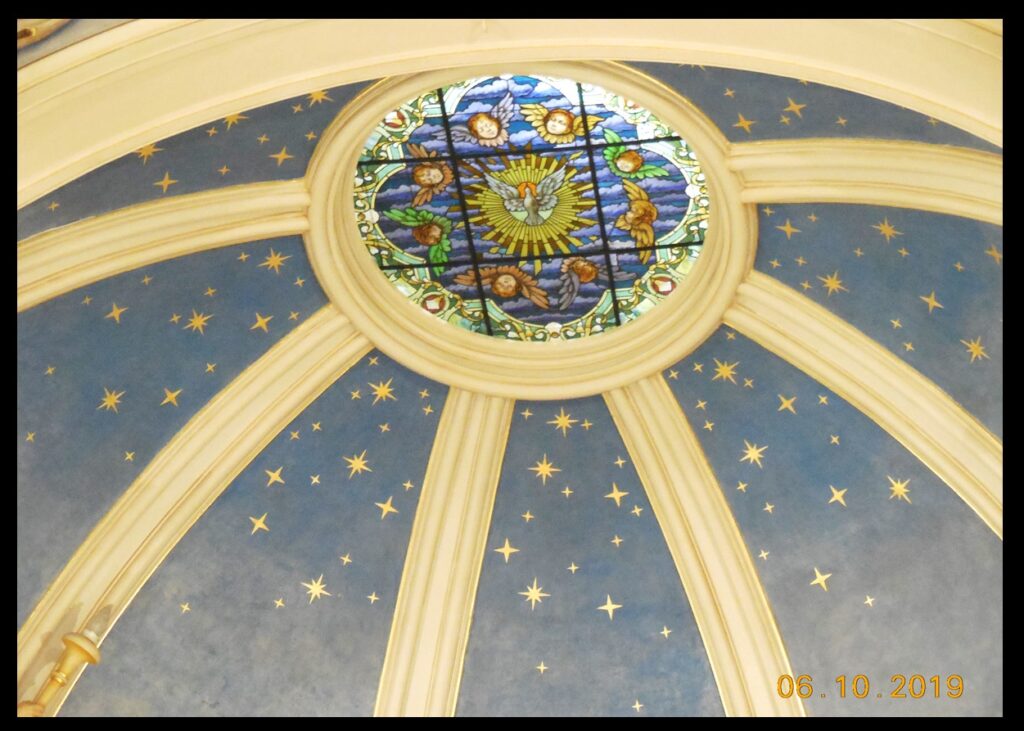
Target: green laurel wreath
x,y
614,149
436,254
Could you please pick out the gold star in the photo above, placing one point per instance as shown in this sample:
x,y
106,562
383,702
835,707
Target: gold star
x,y
841,121
259,524
730,335
53,206
506,550
386,508
869,600
775,263
833,283
373,360
428,409
617,541
975,348
619,462
586,424
50,370
748,383
211,132
384,427
806,285
887,230
372,596
788,229
296,108
32,437
534,594
768,211
959,267
822,400
572,567
787,404
408,485
224,170
295,435
812,218
820,579
609,607
753,454
834,439
261,322
698,367
243,257
701,405
115,313
355,394
636,510
110,400
357,464
147,279
278,603
741,486
931,302
316,426
899,489
147,152
665,632
233,119
763,555
527,516
729,92
175,318
859,252
424,393
314,479
908,346
316,589
637,705
800,261
171,397
210,291
616,494
262,138
709,425
346,559
783,119
746,124
196,322
994,253
274,261
383,391
567,492
311,135
903,252
185,607
526,414
794,107
562,421
837,496
768,508
544,470
725,370
896,324
281,156
542,667
87,300
317,97
166,182
299,281
274,476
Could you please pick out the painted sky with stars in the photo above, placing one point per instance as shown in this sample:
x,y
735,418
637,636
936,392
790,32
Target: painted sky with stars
x,y
279,600
108,373
911,576
580,609
927,286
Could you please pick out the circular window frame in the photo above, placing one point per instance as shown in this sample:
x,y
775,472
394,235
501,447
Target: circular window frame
x,y
524,370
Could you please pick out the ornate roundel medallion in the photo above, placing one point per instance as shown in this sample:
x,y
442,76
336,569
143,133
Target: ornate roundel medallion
x,y
530,208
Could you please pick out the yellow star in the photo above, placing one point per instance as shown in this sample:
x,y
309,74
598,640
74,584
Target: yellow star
x,y
527,516
834,439
768,211
887,230
211,367
274,261
281,156
698,367
197,322
171,397
295,435
800,261
299,281
525,413
147,279
812,218
616,494
619,462
210,291
794,107
274,476
931,302
211,132
87,300
408,485
820,579
346,559
725,370
293,315
869,600
637,705
31,437
372,596
788,229
243,257
317,97
896,324
278,603
994,253
534,594
709,425
701,405
806,285
975,348
609,607
636,510
316,426
185,607
357,464
506,550
859,252
783,119
822,400
567,492
665,632
841,121
355,394
763,555
115,313
50,370
110,400
233,119
296,108
768,508
382,391
53,206
542,667
311,135
166,182
903,252
261,322
899,489
386,508
730,335
586,424
833,283
616,540
753,454
262,138
908,346
741,486
259,524
424,393
373,360
563,422
787,404
572,567
729,92
544,470
316,589
224,170
837,496
746,124
147,152
775,263
314,480
959,267
175,318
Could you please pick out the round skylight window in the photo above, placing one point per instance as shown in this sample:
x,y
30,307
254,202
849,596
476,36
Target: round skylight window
x,y
529,207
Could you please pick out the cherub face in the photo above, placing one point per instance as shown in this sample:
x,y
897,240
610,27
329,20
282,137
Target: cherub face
x,y
629,161
558,122
428,234
484,126
427,175
505,285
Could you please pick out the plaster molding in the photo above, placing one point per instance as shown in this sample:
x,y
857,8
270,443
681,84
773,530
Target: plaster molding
x,y
728,602
520,370
430,630
916,175
182,481
58,261
101,99
911,408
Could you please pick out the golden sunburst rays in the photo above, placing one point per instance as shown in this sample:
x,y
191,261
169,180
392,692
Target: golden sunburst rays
x,y
510,231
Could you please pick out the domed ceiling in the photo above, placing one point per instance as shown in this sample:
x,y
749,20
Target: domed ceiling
x,y
265,502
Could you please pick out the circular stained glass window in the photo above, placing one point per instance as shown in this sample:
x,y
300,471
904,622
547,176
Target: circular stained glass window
x,y
530,208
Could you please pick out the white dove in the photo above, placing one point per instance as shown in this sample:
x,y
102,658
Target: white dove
x,y
529,197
